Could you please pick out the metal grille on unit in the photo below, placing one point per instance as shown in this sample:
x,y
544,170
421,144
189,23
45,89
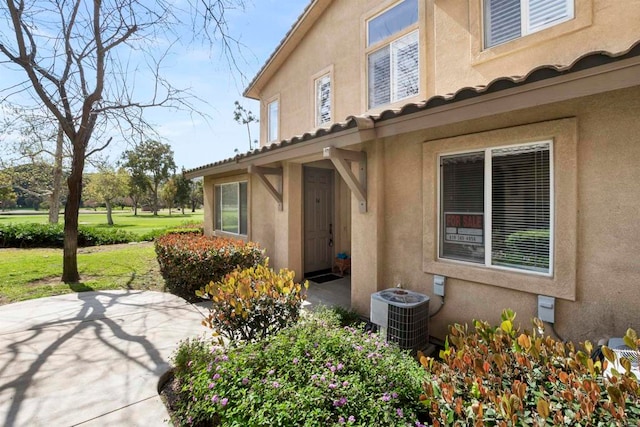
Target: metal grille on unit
x,y
403,316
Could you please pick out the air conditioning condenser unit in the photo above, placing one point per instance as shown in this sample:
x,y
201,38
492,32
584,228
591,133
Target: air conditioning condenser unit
x,y
402,316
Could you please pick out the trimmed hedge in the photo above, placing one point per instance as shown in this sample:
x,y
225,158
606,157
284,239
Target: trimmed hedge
x,y
52,236
186,228
188,262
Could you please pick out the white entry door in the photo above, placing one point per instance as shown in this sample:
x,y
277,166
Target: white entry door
x,y
318,219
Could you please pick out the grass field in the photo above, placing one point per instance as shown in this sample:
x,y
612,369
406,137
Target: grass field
x,y
140,224
35,273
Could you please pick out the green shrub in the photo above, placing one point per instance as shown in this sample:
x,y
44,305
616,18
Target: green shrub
x,y
52,236
519,252
188,262
253,303
186,228
347,317
312,374
499,376
91,236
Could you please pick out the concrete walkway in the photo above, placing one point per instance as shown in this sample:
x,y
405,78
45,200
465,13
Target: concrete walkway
x,y
90,359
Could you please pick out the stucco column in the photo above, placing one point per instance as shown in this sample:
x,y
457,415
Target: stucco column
x,y
367,231
208,196
288,222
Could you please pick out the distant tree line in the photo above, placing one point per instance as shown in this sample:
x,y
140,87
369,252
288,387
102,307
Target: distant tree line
x,y
144,178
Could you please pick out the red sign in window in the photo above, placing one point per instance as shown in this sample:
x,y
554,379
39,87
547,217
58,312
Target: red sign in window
x,y
464,228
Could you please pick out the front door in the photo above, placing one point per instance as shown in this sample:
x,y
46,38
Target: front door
x,y
318,219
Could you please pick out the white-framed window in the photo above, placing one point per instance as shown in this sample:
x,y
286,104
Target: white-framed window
x,y
231,207
393,54
505,20
323,100
496,207
272,120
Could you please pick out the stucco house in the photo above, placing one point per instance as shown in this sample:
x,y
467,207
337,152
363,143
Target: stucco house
x,y
495,143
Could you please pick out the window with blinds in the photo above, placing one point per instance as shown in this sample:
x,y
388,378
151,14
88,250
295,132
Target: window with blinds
x,y
272,121
231,207
394,67
495,207
394,71
506,20
323,100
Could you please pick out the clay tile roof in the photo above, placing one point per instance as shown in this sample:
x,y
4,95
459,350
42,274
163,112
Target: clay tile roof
x,y
544,72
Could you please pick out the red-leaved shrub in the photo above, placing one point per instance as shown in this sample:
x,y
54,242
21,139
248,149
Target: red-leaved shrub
x,y
189,261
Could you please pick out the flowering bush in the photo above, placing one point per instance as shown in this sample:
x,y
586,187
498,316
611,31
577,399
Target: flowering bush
x,y
252,303
312,374
189,261
499,376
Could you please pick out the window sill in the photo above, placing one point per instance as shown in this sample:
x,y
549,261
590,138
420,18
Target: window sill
x,y
220,233
523,282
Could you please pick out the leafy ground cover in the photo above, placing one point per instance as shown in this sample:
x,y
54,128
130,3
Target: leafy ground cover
x,y
35,273
314,374
143,223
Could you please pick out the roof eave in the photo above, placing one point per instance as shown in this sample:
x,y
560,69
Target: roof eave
x,y
290,41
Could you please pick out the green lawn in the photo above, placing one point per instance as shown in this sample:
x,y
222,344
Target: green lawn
x,y
140,224
35,273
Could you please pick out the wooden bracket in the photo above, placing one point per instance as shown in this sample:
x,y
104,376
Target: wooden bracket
x,y
340,159
260,173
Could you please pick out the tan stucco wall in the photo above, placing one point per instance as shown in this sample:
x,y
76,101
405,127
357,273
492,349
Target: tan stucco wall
x,y
607,269
451,54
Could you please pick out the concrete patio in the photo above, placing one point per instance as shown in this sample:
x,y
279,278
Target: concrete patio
x,y
95,358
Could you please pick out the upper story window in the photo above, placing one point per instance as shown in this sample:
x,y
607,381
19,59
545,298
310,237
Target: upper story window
x,y
231,207
393,58
272,121
323,100
510,19
495,207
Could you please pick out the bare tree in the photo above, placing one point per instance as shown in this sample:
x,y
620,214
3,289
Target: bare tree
x,y
75,57
244,117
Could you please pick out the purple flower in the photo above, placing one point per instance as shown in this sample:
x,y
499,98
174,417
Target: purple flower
x,y
340,402
345,383
340,366
332,368
295,360
399,412
211,385
271,372
394,395
224,401
275,384
245,381
419,424
352,419
341,419
385,397
314,377
333,386
216,377
215,398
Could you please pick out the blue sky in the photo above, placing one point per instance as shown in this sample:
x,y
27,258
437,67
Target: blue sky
x,y
196,141
260,27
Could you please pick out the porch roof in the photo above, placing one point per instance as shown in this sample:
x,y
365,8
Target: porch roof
x,y
592,73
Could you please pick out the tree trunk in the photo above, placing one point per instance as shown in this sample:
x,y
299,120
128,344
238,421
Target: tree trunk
x,y
155,198
109,217
54,200
72,207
